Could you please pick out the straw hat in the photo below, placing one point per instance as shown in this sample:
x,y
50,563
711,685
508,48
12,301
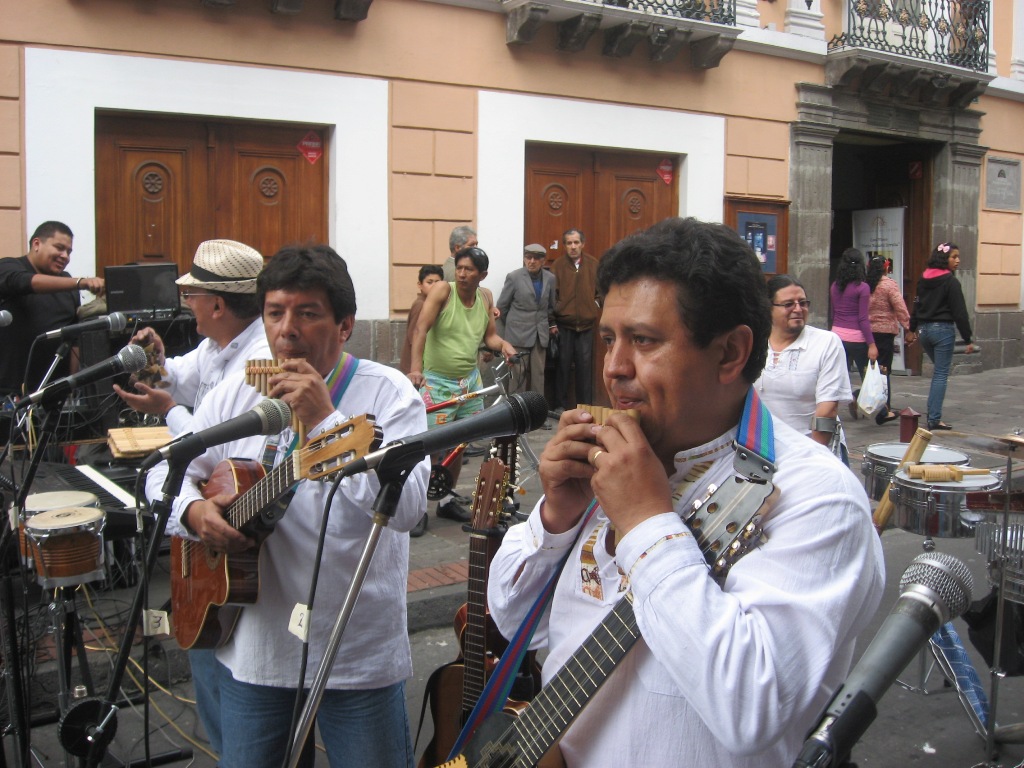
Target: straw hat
x,y
224,265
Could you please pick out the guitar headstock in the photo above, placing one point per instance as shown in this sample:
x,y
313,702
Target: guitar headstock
x,y
335,448
727,523
489,495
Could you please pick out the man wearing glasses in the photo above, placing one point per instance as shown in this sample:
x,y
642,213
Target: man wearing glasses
x,y
527,306
805,377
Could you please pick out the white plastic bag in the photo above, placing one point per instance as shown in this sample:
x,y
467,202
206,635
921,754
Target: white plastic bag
x,y
873,391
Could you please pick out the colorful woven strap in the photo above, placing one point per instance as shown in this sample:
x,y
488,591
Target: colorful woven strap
x,y
756,431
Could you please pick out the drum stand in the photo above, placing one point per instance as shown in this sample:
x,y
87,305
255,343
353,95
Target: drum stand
x,y
1010,734
67,631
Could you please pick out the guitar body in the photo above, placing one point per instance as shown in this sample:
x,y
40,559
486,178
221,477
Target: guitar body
x,y
208,588
445,687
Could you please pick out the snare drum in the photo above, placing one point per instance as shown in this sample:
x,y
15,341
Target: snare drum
x,y
44,502
937,509
881,459
66,545
988,537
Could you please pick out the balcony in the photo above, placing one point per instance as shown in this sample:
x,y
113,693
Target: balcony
x,y
705,28
933,52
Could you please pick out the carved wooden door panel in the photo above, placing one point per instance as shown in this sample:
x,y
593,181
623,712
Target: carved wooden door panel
x,y
605,194
164,185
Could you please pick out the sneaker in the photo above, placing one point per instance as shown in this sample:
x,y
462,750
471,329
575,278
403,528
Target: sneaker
x,y
452,510
420,528
463,500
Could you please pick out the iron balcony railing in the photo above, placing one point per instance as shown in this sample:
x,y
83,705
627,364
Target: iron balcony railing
x,y
951,32
714,11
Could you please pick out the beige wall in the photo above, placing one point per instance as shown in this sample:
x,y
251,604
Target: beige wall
x,y
757,158
13,238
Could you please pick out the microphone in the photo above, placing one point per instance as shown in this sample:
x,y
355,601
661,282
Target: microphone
x,y
129,360
268,418
6,318
520,413
935,588
115,321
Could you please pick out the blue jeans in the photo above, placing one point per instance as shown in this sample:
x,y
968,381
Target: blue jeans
x,y
937,342
206,671
358,728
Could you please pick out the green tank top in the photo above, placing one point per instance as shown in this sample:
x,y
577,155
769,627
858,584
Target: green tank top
x,y
453,340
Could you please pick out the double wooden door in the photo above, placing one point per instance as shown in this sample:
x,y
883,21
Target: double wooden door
x,y
605,194
163,185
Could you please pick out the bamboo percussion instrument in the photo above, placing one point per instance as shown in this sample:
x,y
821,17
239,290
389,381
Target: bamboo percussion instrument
x,y
257,374
601,413
941,473
913,455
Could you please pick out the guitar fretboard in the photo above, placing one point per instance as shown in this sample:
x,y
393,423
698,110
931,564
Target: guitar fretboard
x,y
250,504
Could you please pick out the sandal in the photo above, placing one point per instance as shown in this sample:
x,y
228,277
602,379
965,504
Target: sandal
x,y
890,416
939,425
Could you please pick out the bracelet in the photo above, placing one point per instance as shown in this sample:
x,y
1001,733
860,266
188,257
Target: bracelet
x,y
78,285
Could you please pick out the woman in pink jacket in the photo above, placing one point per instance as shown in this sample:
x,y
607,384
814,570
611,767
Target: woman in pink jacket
x,y
887,312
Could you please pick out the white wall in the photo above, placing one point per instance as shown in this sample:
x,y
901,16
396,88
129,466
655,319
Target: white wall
x,y
63,90
507,121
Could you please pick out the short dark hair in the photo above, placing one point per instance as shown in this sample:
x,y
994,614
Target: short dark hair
x,y
940,256
478,256
244,306
851,268
583,238
430,269
309,267
777,282
48,229
718,279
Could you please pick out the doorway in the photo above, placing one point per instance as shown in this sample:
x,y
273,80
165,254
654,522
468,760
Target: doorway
x,y
606,194
165,184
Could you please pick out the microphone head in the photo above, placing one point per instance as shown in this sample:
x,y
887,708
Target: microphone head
x,y
274,415
117,321
529,411
6,318
133,358
942,578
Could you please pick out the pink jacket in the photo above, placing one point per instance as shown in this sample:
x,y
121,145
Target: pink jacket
x,y
887,310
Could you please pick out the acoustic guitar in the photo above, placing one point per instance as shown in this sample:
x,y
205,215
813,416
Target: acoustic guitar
x,y
208,588
455,688
726,524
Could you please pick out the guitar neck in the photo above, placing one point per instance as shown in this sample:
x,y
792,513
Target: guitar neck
x,y
563,698
250,504
474,673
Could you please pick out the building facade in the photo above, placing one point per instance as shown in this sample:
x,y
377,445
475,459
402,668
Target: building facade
x,y
379,126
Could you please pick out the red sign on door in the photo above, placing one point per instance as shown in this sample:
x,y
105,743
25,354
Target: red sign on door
x,y
915,169
667,170
311,147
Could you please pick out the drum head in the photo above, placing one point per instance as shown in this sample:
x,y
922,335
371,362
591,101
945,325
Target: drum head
x,y
43,502
970,483
933,454
69,517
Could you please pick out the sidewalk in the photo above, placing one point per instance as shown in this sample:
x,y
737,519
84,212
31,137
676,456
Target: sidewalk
x,y
987,403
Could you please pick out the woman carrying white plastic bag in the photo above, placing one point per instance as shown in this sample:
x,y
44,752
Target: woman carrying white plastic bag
x,y
873,391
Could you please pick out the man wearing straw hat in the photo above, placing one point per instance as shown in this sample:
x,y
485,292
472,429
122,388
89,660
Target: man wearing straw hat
x,y
220,289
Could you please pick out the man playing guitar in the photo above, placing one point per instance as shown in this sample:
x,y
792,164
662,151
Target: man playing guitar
x,y
308,305
730,668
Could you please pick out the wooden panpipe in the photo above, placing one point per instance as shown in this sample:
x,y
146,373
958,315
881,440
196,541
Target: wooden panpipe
x,y
257,374
601,413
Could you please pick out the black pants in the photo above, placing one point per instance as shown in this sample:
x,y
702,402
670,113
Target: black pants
x,y
886,343
574,347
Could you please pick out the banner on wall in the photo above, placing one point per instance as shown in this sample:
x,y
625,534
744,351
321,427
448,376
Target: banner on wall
x,y
879,232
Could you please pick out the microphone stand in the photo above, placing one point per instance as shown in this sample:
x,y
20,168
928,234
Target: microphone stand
x,y
392,471
90,724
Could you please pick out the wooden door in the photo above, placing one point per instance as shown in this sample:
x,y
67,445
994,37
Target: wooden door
x,y
163,185
605,194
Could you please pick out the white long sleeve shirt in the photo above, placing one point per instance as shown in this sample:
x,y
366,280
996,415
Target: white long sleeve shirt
x,y
194,374
731,675
375,650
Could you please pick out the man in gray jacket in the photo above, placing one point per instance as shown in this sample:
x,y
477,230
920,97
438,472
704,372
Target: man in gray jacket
x,y
527,306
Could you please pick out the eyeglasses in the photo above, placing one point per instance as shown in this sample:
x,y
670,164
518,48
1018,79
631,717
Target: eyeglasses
x,y
790,305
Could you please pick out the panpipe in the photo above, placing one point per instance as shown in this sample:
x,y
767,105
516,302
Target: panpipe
x,y
601,413
257,374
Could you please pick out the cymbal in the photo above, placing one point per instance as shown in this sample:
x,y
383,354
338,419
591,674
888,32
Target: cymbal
x,y
1002,445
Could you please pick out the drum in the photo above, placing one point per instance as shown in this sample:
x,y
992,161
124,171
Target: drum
x,y
66,545
44,502
938,509
988,537
881,459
